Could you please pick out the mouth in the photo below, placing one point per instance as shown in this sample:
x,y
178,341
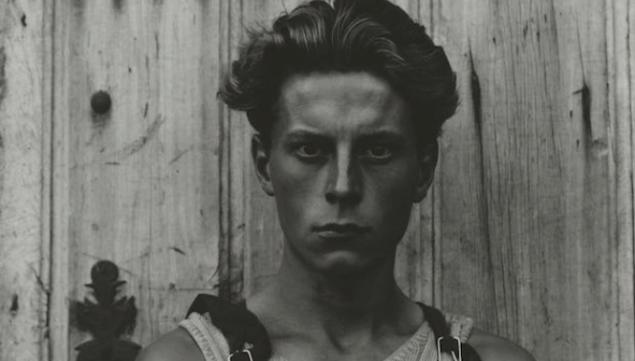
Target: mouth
x,y
336,231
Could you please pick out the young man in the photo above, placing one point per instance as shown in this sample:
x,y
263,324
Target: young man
x,y
347,101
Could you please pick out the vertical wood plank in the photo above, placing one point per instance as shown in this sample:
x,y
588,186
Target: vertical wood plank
x,y
234,168
527,182
23,186
58,308
139,185
621,76
462,234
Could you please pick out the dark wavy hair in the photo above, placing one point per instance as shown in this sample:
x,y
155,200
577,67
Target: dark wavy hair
x,y
375,36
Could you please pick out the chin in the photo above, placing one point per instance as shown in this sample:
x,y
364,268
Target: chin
x,y
341,264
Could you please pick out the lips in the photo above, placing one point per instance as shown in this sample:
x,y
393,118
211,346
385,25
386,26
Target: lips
x,y
340,230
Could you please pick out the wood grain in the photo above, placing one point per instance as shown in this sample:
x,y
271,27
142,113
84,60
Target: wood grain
x,y
462,233
529,202
140,184
23,266
621,80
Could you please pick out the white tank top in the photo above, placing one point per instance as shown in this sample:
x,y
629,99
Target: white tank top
x,y
420,347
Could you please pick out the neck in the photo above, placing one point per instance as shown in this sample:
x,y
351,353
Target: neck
x,y
341,303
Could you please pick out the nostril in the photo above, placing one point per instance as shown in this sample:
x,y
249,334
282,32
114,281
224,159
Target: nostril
x,y
343,198
344,190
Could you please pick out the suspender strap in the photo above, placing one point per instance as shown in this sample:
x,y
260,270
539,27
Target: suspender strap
x,y
248,339
445,342
246,336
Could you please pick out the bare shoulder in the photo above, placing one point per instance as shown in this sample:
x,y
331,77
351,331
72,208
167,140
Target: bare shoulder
x,y
175,345
495,348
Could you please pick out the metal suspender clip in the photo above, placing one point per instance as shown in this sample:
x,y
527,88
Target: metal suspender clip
x,y
452,352
241,355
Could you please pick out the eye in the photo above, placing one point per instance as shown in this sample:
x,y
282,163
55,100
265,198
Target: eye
x,y
378,152
309,151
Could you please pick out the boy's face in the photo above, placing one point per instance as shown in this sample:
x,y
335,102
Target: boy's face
x,y
344,169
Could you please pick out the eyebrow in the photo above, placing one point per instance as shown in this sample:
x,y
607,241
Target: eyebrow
x,y
383,135
304,134
379,135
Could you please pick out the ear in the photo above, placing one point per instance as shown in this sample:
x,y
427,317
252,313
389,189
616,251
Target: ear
x,y
260,157
428,156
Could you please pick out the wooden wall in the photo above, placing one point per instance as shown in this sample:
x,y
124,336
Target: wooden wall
x,y
529,227
24,166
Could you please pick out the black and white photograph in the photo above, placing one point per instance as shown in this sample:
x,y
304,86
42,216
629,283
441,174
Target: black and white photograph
x,y
317,180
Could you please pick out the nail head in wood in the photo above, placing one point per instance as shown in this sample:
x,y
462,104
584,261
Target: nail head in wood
x,y
100,102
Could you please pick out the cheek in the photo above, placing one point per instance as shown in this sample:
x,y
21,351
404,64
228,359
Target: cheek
x,y
391,195
291,180
394,185
294,187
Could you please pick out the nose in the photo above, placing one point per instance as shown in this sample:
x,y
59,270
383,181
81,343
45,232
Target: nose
x,y
344,184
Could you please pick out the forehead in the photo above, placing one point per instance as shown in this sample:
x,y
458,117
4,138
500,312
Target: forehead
x,y
341,102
